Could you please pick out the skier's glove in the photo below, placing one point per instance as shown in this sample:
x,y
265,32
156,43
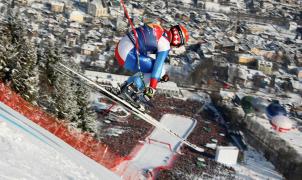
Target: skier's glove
x,y
165,78
149,93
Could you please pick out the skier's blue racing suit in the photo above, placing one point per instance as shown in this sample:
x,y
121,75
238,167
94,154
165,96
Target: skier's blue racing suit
x,y
153,39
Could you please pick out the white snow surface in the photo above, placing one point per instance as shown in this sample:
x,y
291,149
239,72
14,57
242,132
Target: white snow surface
x,y
199,96
29,152
256,167
292,137
158,154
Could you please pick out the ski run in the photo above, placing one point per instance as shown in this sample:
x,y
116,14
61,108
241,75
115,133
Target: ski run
x,y
30,152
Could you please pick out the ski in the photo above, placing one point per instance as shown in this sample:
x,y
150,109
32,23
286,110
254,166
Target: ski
x,y
131,108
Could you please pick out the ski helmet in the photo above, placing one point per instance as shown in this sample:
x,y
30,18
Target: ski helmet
x,y
180,35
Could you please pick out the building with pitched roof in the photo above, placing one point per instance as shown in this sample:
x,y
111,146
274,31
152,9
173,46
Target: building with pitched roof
x,y
97,8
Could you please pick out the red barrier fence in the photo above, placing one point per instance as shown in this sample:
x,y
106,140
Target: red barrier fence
x,y
83,142
161,142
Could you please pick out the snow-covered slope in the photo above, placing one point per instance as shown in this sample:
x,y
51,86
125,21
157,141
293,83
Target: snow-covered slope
x,y
159,148
256,167
30,152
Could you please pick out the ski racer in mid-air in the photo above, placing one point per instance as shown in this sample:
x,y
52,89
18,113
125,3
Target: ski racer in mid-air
x,y
152,39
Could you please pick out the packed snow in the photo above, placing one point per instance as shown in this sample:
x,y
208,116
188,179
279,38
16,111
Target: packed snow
x,y
23,158
156,152
256,167
178,124
28,152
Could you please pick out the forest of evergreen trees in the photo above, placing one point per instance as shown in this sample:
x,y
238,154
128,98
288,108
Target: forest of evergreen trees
x,y
30,70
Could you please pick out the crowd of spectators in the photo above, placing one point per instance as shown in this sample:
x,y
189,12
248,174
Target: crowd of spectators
x,y
186,163
135,130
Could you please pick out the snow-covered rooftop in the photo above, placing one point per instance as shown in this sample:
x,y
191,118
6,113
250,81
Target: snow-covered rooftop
x,y
89,47
293,137
114,78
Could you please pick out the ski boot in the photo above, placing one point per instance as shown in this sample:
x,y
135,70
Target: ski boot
x,y
131,94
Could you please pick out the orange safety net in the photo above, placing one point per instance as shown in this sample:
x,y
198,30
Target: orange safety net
x,y
83,142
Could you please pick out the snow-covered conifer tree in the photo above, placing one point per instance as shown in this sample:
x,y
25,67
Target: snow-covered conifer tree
x,y
33,72
24,76
7,48
48,57
7,52
66,105
56,92
87,119
20,59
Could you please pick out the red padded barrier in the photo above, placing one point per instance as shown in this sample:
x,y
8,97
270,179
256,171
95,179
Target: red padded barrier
x,y
83,142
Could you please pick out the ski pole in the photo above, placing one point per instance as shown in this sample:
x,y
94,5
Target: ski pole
x,y
136,41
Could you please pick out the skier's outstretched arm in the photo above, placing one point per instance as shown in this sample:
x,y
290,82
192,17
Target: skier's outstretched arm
x,y
158,67
162,54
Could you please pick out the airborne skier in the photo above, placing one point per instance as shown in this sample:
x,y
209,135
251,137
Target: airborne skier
x,y
152,39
